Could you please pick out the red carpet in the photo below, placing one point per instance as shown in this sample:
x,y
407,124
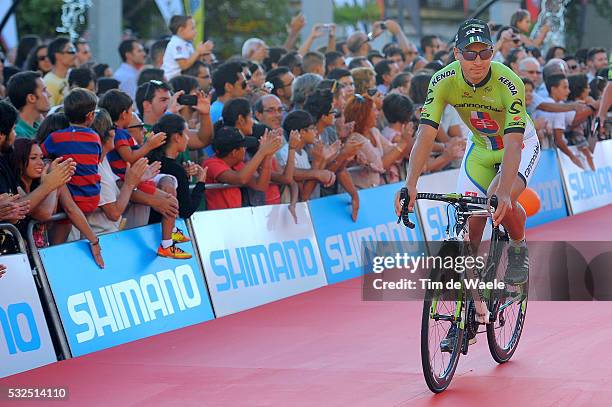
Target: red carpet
x,y
329,348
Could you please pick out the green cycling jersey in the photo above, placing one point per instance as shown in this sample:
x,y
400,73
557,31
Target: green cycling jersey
x,y
491,108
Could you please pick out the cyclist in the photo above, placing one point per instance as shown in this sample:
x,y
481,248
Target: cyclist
x,y
490,99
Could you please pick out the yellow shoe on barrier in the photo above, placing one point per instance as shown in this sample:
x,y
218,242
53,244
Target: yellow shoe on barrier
x,y
179,237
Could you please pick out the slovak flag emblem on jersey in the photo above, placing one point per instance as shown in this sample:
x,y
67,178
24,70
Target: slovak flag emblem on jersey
x,y
483,123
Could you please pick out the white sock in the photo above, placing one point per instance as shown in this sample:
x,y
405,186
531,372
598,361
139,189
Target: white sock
x,y
518,243
166,243
174,229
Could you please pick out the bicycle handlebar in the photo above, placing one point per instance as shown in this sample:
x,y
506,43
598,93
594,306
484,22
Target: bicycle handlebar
x,y
449,198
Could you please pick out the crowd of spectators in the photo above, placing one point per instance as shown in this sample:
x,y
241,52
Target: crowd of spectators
x,y
173,130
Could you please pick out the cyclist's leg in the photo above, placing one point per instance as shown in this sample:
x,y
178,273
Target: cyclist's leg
x,y
514,220
476,173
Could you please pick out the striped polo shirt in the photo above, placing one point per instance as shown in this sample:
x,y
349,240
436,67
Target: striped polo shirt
x,y
122,138
119,166
82,144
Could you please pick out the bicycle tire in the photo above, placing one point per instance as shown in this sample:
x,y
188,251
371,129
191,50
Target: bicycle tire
x,y
502,352
438,383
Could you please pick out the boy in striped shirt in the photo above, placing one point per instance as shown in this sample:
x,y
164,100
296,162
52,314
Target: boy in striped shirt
x,y
82,144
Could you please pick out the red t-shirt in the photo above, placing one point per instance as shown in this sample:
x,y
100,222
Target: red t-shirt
x,y
221,198
273,195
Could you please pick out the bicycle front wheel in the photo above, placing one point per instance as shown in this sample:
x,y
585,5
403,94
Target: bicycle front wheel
x,y
509,306
439,360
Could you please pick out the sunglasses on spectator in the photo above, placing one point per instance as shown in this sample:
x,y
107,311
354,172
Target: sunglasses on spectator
x,y
136,126
359,98
42,57
151,82
71,51
335,112
372,92
485,54
573,67
275,110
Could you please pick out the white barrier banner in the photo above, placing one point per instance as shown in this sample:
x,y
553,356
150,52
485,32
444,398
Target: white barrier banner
x,y
587,189
25,342
256,255
433,214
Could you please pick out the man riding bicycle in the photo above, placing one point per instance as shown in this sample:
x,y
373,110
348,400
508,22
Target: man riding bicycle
x,y
490,99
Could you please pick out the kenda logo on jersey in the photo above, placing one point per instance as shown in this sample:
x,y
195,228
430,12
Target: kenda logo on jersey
x,y
263,264
511,87
129,303
441,76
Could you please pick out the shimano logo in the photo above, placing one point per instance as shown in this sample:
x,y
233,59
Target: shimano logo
x,y
536,151
591,184
19,328
344,250
441,76
509,85
133,302
263,264
478,107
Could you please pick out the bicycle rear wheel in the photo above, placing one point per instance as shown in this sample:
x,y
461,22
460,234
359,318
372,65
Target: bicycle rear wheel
x,y
440,313
509,305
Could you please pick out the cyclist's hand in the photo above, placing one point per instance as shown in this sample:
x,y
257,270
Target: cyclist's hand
x,y
412,194
504,204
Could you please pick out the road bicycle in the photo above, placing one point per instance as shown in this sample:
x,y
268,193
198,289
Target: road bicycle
x,y
449,323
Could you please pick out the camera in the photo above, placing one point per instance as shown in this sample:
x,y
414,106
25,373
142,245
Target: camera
x,y
188,100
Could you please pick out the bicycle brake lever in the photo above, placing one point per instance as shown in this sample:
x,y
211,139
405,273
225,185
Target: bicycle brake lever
x,y
494,201
404,199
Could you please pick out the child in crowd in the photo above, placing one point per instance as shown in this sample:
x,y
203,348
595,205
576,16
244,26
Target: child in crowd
x,y
180,54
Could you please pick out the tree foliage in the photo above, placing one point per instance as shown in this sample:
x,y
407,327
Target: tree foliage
x,y
351,15
230,22
40,17
573,35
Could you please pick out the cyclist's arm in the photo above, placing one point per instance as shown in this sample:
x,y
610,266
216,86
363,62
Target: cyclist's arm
x,y
515,123
513,143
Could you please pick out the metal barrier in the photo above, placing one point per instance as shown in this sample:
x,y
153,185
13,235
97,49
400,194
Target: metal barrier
x,y
9,227
48,302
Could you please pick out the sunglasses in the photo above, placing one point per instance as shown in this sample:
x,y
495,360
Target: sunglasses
x,y
43,57
136,126
485,54
372,92
71,51
152,82
359,98
337,113
573,67
278,110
